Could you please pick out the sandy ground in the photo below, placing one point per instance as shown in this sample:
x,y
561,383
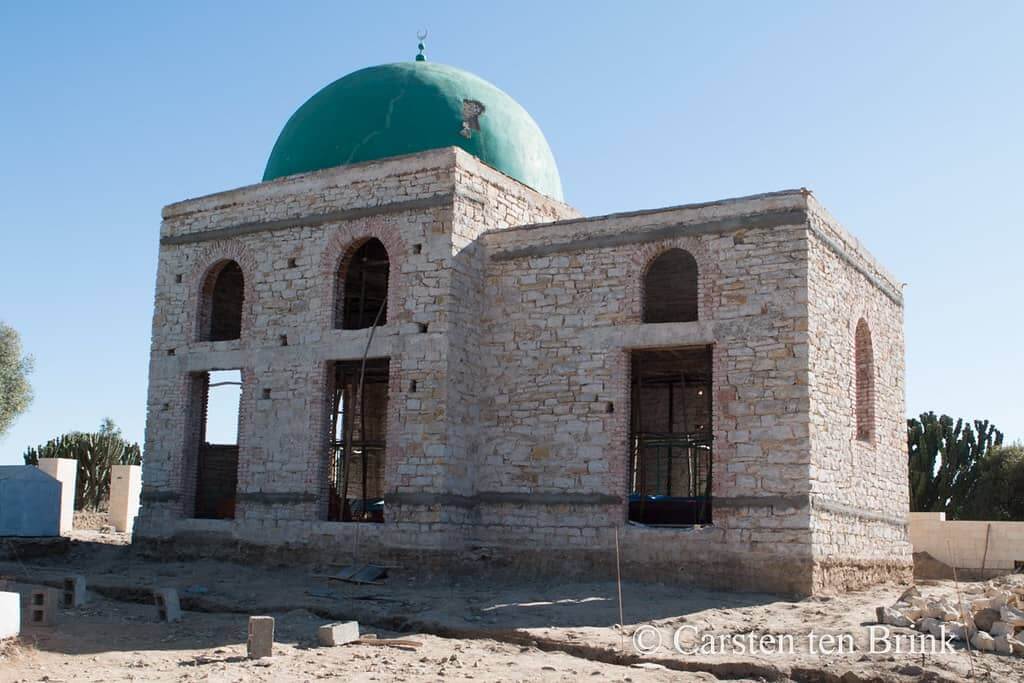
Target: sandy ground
x,y
467,629
115,641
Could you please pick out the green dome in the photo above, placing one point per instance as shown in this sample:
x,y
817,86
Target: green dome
x,y
409,107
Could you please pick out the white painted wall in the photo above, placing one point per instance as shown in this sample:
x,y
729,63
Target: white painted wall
x,y
64,470
10,615
963,544
125,487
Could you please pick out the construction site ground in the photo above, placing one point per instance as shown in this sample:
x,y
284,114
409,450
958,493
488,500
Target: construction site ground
x,y
463,628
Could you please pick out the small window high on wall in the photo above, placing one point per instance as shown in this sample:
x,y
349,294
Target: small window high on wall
x,y
670,288
223,297
864,362
363,282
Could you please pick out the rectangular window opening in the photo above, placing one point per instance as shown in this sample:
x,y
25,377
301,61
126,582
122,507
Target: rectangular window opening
x,y
670,437
358,441
217,461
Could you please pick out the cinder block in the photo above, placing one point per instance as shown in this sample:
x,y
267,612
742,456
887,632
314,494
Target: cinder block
x,y
74,592
168,608
338,633
261,637
42,607
10,615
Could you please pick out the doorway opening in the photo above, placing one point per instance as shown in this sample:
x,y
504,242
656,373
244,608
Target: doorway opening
x,y
358,441
217,453
670,437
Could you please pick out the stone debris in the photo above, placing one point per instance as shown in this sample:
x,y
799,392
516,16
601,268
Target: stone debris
x,y
985,617
400,643
941,611
983,641
991,622
910,594
1001,628
261,637
168,608
1003,645
1011,616
888,615
338,633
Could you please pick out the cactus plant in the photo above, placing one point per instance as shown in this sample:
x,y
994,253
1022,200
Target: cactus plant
x,y
96,453
945,458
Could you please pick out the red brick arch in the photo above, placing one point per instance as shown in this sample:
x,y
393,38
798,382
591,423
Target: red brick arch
x,y
343,242
206,263
641,261
864,382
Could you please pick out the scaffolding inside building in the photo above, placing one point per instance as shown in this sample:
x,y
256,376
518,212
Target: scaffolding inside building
x,y
670,441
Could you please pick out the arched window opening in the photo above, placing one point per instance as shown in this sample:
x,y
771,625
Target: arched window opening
x,y
864,361
363,298
670,288
223,297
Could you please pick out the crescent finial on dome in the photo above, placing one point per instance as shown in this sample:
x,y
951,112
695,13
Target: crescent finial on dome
x,y
421,36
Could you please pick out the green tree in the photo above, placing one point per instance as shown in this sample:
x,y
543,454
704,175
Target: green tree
x,y
945,460
998,493
15,391
96,453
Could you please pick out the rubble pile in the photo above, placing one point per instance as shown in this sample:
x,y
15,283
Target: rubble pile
x,y
990,616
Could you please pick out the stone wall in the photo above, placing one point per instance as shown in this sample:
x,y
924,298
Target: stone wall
x,y
510,325
562,310
290,237
859,485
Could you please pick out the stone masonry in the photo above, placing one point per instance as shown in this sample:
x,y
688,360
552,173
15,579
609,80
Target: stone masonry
x,y
510,324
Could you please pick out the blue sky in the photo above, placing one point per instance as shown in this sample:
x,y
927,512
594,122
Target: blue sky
x,y
904,118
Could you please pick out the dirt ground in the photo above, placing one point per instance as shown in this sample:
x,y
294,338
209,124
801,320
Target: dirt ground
x,y
538,630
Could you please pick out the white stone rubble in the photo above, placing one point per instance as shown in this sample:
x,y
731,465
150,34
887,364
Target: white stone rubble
x,y
992,623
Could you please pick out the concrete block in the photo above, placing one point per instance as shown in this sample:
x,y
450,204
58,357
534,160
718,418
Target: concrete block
x,y
338,633
64,470
10,615
125,487
168,607
74,592
42,607
261,637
